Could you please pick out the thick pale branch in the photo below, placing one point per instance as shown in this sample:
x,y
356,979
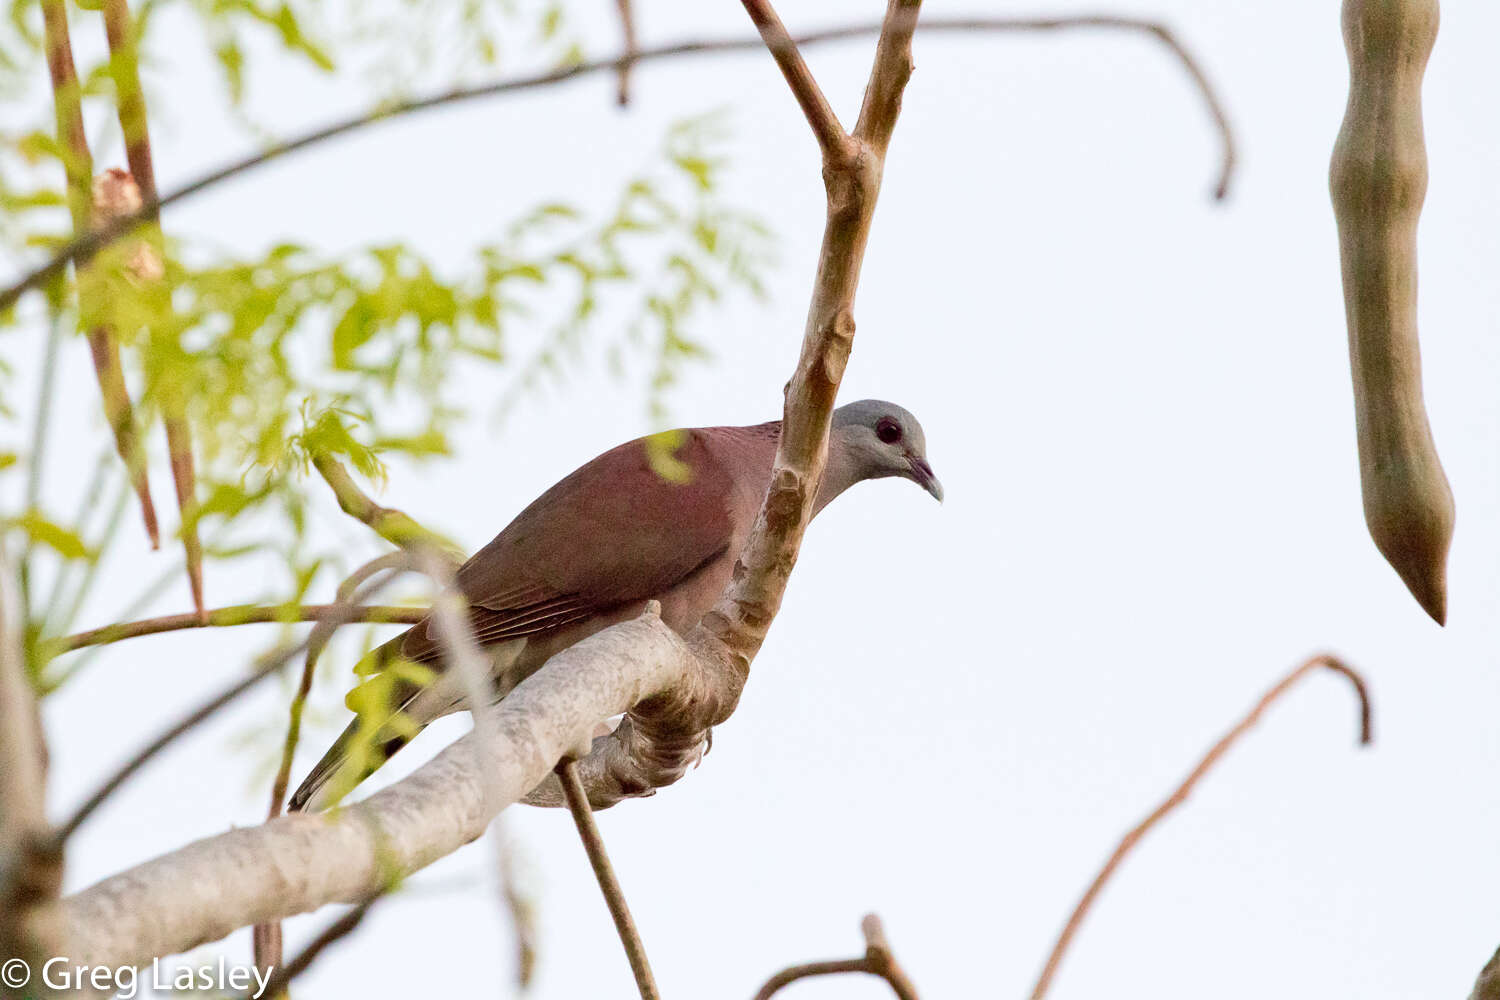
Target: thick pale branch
x,y
84,247
1181,793
297,863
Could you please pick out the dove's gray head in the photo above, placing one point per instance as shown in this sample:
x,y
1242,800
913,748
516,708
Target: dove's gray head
x,y
873,439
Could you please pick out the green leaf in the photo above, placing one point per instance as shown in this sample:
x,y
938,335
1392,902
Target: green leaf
x,y
661,453
44,532
231,58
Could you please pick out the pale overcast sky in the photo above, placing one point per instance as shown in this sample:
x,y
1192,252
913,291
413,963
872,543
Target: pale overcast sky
x,y
1139,404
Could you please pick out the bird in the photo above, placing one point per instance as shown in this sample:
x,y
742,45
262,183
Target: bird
x,y
592,551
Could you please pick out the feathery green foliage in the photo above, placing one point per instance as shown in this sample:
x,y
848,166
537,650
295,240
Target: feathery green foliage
x,y
290,353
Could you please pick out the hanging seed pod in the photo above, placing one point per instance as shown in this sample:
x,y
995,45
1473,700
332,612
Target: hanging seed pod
x,y
78,164
1378,180
121,33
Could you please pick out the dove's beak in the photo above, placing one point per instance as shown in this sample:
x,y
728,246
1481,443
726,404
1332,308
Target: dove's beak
x,y
923,476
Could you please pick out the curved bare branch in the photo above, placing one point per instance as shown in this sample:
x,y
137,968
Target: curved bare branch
x,y
1181,793
89,244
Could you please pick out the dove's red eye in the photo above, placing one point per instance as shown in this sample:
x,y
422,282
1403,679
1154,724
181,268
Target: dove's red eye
x,y
888,430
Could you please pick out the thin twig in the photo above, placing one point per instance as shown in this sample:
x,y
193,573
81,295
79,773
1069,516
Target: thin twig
x,y
1181,793
186,724
42,420
593,845
240,614
48,614
520,906
66,612
876,961
86,246
147,597
427,552
316,643
632,46
36,456
336,616
882,960
339,929
396,527
420,550
831,136
266,939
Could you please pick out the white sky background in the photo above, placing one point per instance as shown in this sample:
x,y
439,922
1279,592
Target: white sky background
x,y
1139,404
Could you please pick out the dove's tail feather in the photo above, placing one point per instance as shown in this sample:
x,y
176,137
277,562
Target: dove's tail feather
x,y
337,763
401,706
359,753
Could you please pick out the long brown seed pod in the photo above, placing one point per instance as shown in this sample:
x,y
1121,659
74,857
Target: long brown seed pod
x,y
120,33
66,97
1378,179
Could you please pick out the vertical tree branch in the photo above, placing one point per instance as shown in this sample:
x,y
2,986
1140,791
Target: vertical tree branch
x,y
662,736
30,864
852,167
893,67
632,46
79,167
